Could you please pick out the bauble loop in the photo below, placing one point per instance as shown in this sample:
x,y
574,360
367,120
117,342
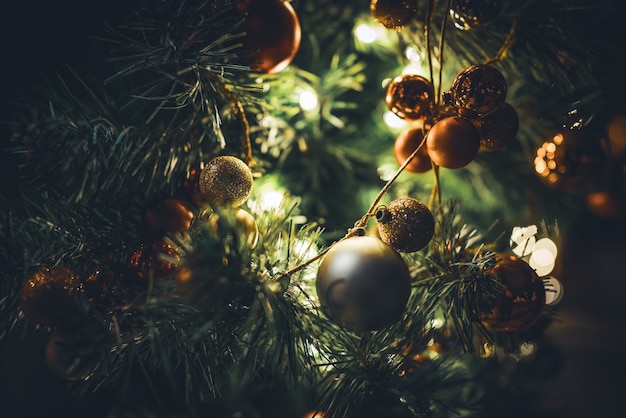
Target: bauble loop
x,y
363,284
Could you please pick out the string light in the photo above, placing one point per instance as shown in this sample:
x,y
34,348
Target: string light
x,y
366,33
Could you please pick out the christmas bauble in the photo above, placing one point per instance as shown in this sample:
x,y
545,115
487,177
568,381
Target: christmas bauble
x,y
47,297
273,34
67,357
237,220
363,284
226,181
453,142
477,91
406,224
409,96
167,216
569,160
104,289
405,144
156,260
522,299
497,130
393,14
475,13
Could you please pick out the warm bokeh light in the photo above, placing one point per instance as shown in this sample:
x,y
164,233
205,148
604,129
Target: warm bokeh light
x,y
394,121
308,100
523,240
543,257
366,33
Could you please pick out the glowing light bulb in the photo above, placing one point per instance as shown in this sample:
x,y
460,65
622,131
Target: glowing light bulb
x,y
308,100
365,33
270,199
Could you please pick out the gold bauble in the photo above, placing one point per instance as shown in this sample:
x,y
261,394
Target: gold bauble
x,y
240,220
226,181
406,224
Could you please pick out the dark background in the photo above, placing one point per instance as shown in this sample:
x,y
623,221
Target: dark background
x,y
589,337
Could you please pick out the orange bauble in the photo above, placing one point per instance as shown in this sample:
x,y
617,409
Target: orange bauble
x,y
406,143
522,299
453,142
410,96
167,216
273,34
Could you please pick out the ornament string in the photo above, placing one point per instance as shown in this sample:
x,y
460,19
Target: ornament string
x,y
506,45
429,18
361,223
441,45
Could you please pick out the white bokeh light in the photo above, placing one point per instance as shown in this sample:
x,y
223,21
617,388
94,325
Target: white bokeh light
x,y
393,121
365,33
543,257
554,290
308,100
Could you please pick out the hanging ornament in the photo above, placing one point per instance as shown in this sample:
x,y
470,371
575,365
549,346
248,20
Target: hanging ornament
x,y
272,34
410,96
569,160
104,289
406,224
522,299
363,284
477,91
68,358
238,220
475,13
226,181
168,216
47,297
405,144
393,14
453,142
154,260
497,130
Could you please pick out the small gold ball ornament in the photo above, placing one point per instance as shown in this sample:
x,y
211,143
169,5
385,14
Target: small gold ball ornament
x,y
226,181
406,224
239,220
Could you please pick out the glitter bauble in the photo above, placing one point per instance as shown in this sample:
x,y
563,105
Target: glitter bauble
x,y
363,284
47,297
226,181
68,357
156,260
410,96
272,34
475,13
238,221
405,144
453,142
406,224
571,159
497,130
167,216
477,91
393,14
522,299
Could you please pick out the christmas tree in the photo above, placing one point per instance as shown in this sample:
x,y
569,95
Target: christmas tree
x,y
257,208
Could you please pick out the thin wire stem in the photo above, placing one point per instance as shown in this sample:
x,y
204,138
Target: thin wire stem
x,y
441,49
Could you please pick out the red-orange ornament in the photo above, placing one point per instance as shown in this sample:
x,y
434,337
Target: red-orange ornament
x,y
154,260
522,299
167,216
405,144
453,142
273,34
